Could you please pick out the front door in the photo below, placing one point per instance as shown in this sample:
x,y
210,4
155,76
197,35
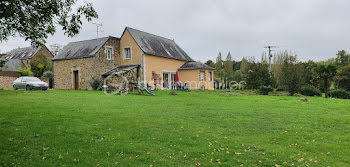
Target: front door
x,y
76,79
166,80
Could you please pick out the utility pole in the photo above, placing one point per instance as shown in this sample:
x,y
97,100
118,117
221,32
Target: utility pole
x,y
97,26
270,55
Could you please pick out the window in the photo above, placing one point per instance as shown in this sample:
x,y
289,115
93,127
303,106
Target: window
x,y
202,76
109,53
27,61
127,53
209,76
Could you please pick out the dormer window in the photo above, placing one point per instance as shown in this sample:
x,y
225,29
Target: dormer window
x,y
109,52
127,53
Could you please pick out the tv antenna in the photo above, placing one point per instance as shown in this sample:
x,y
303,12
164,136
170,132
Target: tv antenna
x,y
270,55
97,26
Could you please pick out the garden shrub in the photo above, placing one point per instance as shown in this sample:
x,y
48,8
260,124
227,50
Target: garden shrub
x,y
264,90
309,90
173,93
339,93
95,84
48,74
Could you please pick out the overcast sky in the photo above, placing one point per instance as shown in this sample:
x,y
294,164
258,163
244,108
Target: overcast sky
x,y
314,29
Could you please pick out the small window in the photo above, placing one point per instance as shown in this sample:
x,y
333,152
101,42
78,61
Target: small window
x,y
27,61
109,53
127,53
202,76
209,76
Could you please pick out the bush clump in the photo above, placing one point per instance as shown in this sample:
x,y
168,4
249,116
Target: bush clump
x,y
95,84
339,93
264,90
309,90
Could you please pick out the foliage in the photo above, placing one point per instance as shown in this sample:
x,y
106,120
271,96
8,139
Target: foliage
x,y
306,75
48,74
342,59
210,63
290,75
228,66
325,73
258,75
244,68
40,64
309,90
343,78
264,90
95,83
55,48
35,20
26,71
278,63
339,93
219,73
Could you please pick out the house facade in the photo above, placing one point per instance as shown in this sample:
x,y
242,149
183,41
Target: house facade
x,y
21,57
159,58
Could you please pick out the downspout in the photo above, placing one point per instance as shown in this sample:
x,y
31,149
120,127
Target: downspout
x,y
143,76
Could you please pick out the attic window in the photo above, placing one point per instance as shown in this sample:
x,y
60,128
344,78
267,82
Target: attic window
x,y
127,53
109,52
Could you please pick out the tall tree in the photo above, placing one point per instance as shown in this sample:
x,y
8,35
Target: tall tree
x,y
258,75
342,59
36,19
218,64
306,72
40,64
290,75
228,66
244,69
325,73
343,78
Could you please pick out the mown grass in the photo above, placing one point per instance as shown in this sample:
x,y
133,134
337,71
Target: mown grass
x,y
206,128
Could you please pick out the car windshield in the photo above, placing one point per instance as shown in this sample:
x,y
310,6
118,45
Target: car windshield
x,y
32,79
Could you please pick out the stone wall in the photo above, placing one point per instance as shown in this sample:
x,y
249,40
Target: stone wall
x,y
6,82
88,68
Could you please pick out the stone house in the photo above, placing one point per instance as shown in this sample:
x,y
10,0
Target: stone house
x,y
21,57
158,60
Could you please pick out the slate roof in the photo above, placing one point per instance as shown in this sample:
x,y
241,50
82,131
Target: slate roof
x,y
158,46
195,65
13,64
22,53
81,49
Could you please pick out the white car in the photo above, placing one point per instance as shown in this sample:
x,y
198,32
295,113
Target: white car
x,y
29,83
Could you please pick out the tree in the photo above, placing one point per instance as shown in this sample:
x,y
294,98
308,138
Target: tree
x,y
40,64
278,62
219,67
306,75
290,75
228,66
343,78
342,59
258,76
36,19
55,48
244,68
210,63
325,73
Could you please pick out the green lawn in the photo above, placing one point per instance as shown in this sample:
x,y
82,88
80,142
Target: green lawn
x,y
206,128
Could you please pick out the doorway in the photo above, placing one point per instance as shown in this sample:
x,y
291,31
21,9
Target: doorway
x,y
168,79
76,79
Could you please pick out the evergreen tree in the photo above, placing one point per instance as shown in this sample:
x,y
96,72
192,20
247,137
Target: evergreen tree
x,y
325,74
290,75
228,66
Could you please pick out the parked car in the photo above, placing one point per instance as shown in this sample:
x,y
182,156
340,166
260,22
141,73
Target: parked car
x,y
29,83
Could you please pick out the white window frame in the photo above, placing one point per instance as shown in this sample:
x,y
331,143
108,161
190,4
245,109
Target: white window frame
x,y
124,53
209,76
200,75
109,57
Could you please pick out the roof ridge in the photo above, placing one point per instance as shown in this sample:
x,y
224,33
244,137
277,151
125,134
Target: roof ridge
x,y
94,39
150,34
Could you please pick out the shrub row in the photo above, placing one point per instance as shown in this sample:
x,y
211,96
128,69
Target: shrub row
x,y
339,93
309,90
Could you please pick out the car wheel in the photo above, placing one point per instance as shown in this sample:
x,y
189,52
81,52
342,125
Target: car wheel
x,y
28,87
14,87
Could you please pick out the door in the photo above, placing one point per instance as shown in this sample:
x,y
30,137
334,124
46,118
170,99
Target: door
x,y
76,79
166,80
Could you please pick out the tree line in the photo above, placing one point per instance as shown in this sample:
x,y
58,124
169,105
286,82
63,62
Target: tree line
x,y
287,73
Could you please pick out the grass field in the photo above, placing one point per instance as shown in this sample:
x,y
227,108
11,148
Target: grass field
x,y
199,128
